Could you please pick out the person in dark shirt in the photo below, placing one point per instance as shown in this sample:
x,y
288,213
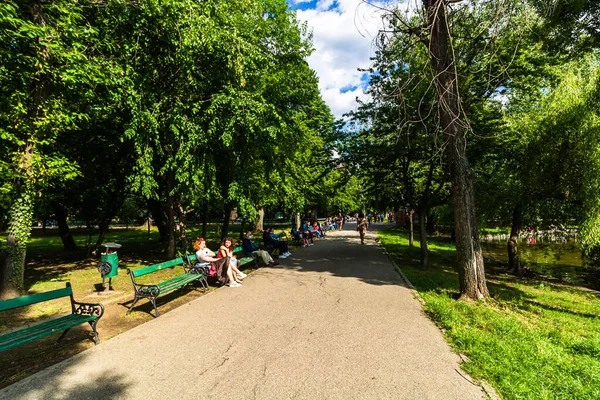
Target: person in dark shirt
x,y
277,244
250,248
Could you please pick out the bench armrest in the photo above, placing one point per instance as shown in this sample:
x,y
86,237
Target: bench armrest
x,y
198,268
145,290
88,309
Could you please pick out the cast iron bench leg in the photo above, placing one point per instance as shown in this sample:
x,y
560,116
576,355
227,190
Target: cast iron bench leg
x,y
63,335
153,301
93,325
135,300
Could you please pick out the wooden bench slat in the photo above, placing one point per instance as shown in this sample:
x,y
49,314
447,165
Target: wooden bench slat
x,y
35,298
246,260
156,267
185,279
176,282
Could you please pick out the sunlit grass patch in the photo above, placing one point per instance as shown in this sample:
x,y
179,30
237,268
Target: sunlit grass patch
x,y
532,340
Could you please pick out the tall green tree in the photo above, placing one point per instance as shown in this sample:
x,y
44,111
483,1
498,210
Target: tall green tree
x,y
47,71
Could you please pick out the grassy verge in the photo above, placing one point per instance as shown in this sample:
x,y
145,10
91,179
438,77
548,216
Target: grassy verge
x,y
532,340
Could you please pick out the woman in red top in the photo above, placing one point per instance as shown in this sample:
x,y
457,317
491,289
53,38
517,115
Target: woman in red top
x,y
226,250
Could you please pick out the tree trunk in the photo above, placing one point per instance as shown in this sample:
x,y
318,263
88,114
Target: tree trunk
x,y
21,210
103,228
313,215
158,215
204,219
181,226
423,239
259,226
298,221
430,223
411,231
63,228
170,216
513,255
454,125
227,214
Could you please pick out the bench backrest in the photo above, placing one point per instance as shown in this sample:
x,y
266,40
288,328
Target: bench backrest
x,y
36,298
156,267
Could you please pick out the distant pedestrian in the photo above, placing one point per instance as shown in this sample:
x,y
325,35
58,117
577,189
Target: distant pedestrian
x,y
361,226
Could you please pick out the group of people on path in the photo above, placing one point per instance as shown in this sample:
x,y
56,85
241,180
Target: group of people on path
x,y
224,264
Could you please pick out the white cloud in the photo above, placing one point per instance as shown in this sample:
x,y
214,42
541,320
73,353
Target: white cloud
x,y
343,34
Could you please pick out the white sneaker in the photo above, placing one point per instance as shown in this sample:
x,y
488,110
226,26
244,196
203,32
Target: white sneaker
x,y
234,284
311,244
287,254
283,256
242,275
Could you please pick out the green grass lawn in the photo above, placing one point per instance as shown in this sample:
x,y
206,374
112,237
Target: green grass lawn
x,y
532,340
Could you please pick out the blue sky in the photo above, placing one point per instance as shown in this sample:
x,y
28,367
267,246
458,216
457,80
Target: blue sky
x,y
343,32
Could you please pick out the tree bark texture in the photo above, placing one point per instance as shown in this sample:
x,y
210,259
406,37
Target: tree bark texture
x,y
454,126
259,226
423,239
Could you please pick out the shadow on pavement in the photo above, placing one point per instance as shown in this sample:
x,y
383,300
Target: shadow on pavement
x,y
53,383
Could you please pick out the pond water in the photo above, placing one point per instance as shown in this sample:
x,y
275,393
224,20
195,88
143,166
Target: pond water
x,y
559,260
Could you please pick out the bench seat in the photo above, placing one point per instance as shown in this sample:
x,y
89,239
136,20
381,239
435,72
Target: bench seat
x,y
152,291
22,336
80,313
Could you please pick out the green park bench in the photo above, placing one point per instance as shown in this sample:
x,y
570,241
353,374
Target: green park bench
x,y
80,313
152,291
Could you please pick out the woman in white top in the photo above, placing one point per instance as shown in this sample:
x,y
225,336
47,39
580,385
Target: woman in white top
x,y
222,265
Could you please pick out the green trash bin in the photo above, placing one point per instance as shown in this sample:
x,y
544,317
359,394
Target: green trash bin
x,y
113,260
109,263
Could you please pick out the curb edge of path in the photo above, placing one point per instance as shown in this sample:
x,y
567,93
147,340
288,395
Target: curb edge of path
x,y
489,391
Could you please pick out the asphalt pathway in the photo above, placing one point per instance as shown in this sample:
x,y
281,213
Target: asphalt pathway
x,y
334,321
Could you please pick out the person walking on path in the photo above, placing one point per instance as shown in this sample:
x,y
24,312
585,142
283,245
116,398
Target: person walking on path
x,y
361,226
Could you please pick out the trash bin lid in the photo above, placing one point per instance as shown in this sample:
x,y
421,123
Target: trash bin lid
x,y
112,245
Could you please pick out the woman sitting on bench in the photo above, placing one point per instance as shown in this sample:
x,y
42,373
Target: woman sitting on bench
x,y
222,265
226,250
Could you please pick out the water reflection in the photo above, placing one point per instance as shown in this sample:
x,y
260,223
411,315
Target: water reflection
x,y
559,260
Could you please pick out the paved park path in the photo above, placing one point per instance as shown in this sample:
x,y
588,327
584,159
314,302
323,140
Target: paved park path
x,y
335,321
